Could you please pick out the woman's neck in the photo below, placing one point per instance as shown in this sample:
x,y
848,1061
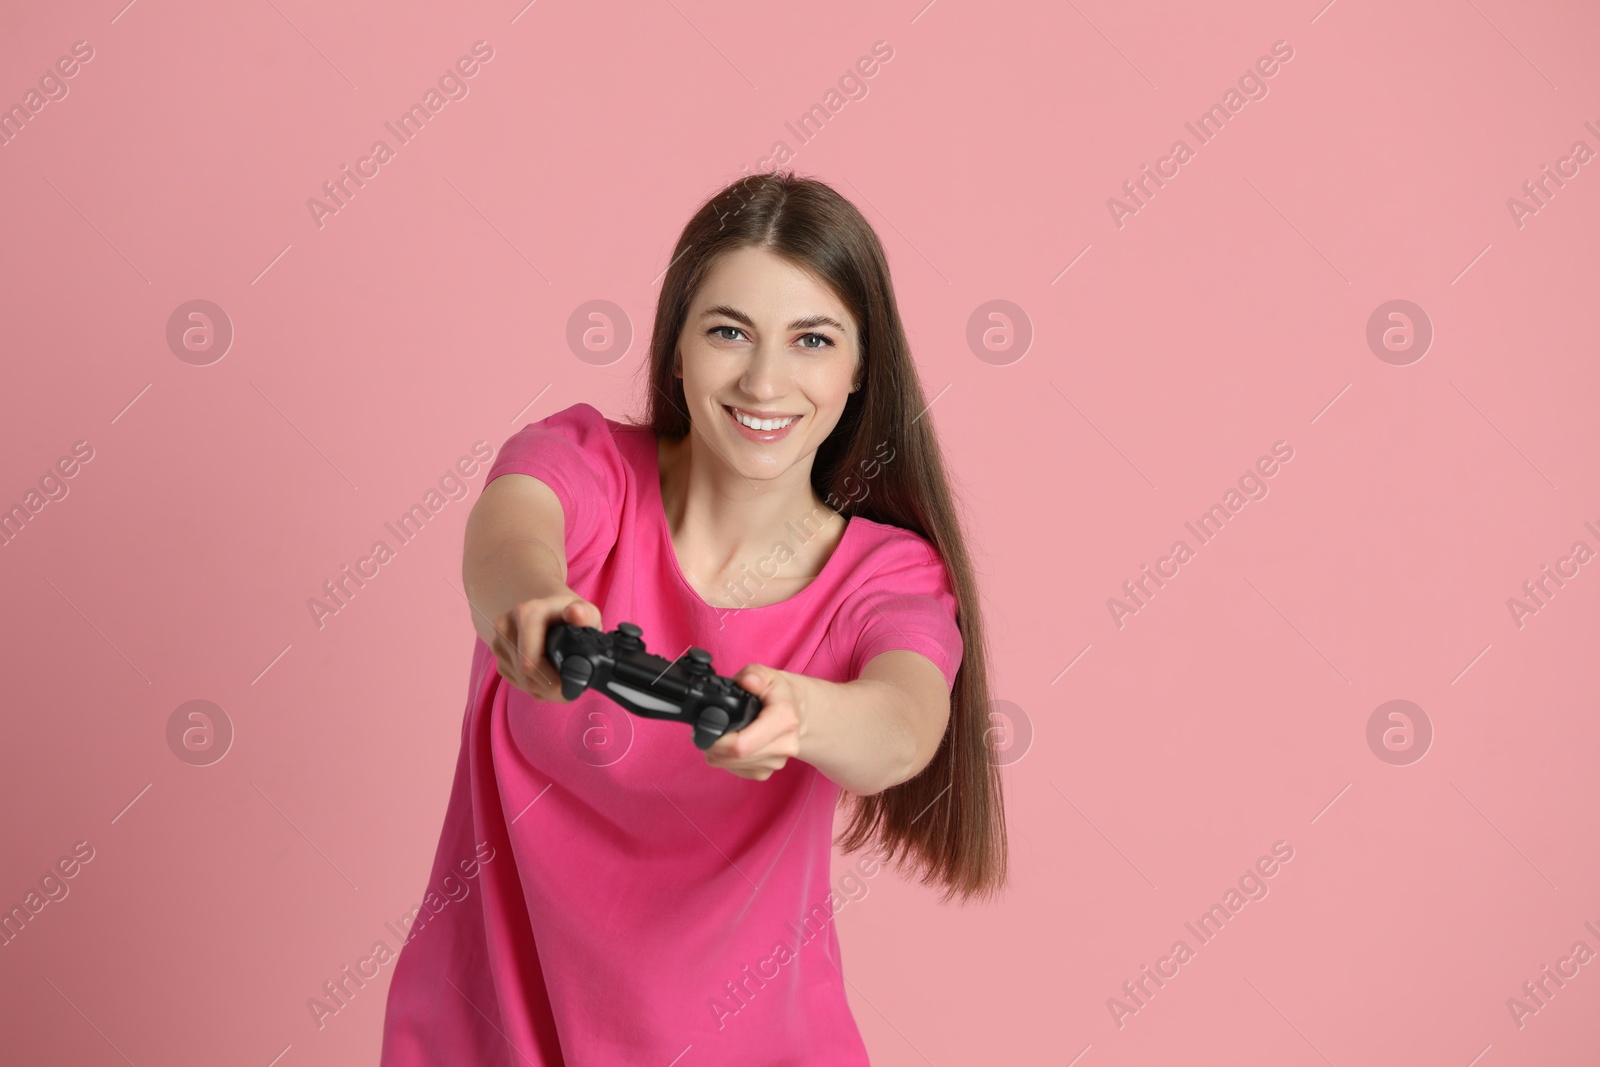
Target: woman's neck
x,y
719,519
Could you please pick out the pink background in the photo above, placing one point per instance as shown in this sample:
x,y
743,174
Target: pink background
x,y
430,313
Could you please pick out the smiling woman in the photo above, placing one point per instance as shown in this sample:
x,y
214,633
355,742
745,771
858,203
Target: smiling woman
x,y
642,871
768,356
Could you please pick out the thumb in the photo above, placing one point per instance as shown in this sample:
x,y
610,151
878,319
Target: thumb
x,y
754,677
583,613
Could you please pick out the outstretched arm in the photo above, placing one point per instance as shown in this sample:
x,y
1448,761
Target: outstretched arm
x,y
514,572
514,549
867,735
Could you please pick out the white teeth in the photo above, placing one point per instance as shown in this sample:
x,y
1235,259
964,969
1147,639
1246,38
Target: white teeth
x,y
763,424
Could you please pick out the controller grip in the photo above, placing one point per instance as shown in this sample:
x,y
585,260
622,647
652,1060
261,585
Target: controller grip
x,y
576,673
712,724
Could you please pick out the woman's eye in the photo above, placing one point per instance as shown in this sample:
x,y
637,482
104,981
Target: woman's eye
x,y
824,341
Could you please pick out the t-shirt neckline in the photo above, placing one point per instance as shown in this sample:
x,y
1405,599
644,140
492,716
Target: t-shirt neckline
x,y
664,531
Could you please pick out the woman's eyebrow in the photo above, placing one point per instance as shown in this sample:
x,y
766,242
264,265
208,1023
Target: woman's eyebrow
x,y
798,324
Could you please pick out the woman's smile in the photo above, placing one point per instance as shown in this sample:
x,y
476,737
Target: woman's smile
x,y
774,428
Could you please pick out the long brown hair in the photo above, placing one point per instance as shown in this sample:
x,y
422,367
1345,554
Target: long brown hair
x,y
949,820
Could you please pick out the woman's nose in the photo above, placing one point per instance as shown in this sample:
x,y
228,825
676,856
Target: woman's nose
x,y
764,373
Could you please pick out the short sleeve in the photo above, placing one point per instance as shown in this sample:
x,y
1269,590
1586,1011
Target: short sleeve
x,y
575,454
906,603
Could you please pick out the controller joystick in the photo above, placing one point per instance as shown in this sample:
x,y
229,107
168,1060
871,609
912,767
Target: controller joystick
x,y
618,664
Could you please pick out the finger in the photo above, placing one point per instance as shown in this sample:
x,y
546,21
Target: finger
x,y
530,644
754,678
507,670
506,631
770,723
761,732
750,678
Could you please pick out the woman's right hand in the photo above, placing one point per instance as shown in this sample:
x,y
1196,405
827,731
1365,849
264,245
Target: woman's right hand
x,y
519,641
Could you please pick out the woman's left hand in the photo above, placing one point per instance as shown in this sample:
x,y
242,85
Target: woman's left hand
x,y
772,736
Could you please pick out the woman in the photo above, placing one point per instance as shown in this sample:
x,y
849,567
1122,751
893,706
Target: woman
x,y
783,506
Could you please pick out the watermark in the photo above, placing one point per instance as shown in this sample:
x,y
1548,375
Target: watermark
x,y
454,890
53,487
452,85
1538,591
999,332
742,990
339,591
1399,332
1537,993
199,332
852,85
1399,732
199,732
808,527
1252,885
1252,485
53,88
598,732
1252,86
52,889
338,992
1010,733
599,332
1538,190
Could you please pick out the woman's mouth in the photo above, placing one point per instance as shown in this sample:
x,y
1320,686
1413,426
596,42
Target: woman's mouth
x,y
780,427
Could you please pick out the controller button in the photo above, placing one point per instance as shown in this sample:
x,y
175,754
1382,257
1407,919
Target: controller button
x,y
699,663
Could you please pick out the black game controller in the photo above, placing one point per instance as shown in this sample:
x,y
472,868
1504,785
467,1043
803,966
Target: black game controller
x,y
684,689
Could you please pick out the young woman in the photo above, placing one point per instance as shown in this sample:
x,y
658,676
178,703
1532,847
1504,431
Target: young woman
x,y
783,506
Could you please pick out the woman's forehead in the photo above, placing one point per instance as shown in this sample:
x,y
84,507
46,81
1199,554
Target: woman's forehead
x,y
768,290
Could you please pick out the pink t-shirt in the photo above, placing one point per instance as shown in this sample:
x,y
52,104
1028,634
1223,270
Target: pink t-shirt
x,y
637,905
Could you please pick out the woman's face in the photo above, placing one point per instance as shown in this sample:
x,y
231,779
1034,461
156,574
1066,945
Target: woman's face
x,y
766,339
